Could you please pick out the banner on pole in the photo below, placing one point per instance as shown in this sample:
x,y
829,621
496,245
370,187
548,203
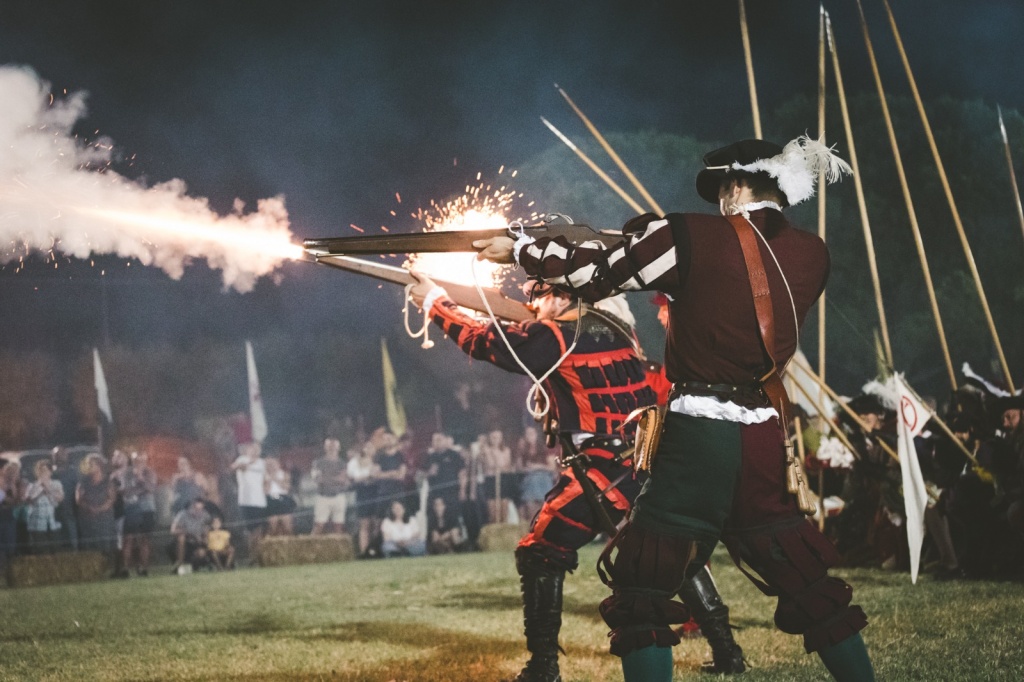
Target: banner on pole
x,y
392,404
100,381
911,416
257,416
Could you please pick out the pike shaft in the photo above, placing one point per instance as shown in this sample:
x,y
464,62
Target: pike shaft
x,y
861,204
611,152
1013,175
846,408
594,167
911,212
968,254
750,70
821,182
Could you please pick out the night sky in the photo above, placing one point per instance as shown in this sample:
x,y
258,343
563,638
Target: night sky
x,y
339,105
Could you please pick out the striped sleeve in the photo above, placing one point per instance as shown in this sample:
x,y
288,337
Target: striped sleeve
x,y
645,260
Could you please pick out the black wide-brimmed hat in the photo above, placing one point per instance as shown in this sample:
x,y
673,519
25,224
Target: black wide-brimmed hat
x,y
719,163
1012,402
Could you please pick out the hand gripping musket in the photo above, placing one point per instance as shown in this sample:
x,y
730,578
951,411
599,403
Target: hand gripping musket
x,y
462,294
450,241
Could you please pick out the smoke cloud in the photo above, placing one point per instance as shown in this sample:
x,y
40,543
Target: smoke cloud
x,y
58,193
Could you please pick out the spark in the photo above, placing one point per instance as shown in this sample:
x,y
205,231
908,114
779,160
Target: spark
x,y
478,208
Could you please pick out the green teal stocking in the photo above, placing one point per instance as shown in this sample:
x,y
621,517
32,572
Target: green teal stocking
x,y
847,661
650,664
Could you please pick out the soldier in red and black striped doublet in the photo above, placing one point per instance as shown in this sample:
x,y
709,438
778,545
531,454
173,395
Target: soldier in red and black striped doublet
x,y
593,390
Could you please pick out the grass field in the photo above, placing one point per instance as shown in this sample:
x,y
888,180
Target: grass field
x,y
456,619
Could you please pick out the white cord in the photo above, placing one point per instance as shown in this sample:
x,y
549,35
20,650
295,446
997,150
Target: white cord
x,y
427,343
537,392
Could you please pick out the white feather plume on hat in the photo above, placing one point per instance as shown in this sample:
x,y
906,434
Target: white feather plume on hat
x,y
796,169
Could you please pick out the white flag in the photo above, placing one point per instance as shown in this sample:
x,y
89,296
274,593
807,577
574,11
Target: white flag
x,y
912,416
257,417
797,375
100,381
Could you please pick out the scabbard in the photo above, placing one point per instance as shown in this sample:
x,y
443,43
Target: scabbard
x,y
590,492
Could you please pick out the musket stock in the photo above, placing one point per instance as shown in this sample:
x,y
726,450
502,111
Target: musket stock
x,y
466,296
444,241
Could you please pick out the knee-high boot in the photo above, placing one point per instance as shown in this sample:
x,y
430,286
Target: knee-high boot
x,y
701,596
541,585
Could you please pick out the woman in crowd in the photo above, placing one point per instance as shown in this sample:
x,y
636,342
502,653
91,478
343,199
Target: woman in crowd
x,y
42,497
444,530
496,458
401,535
540,466
280,504
118,463
390,477
137,483
95,496
187,484
12,490
361,470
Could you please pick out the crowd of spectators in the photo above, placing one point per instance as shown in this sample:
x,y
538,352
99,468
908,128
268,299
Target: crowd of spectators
x,y
396,499
391,497
974,522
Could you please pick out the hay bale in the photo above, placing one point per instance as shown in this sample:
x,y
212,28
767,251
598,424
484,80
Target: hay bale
x,y
54,569
295,550
501,537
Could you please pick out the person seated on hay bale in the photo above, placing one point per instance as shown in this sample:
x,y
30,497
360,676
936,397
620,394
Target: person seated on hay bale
x,y
189,529
218,545
444,528
401,535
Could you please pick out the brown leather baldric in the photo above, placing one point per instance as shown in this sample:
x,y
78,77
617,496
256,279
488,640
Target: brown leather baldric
x,y
772,382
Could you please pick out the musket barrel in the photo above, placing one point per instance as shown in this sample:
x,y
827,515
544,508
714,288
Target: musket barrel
x,y
449,241
415,242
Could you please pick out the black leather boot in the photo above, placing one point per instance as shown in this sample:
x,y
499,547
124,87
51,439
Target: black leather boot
x,y
700,595
541,585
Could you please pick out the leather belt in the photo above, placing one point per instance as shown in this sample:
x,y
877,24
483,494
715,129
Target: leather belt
x,y
750,395
613,444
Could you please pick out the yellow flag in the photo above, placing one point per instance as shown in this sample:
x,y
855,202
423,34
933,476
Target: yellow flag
x,y
392,404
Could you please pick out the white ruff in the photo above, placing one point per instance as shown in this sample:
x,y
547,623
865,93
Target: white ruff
x,y
745,209
713,408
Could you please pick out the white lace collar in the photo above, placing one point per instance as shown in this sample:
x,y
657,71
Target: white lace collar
x,y
745,209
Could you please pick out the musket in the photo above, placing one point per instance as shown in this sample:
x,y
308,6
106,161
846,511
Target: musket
x,y
450,241
463,295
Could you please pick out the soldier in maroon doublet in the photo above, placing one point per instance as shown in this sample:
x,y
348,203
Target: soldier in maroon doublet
x,y
592,391
739,284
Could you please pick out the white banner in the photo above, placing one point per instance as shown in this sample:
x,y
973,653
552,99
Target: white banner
x,y
100,381
256,414
912,415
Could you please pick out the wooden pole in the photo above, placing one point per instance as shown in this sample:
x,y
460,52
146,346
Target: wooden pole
x,y
952,203
750,70
611,152
858,185
846,408
594,167
832,394
822,40
821,496
1009,163
911,212
836,431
